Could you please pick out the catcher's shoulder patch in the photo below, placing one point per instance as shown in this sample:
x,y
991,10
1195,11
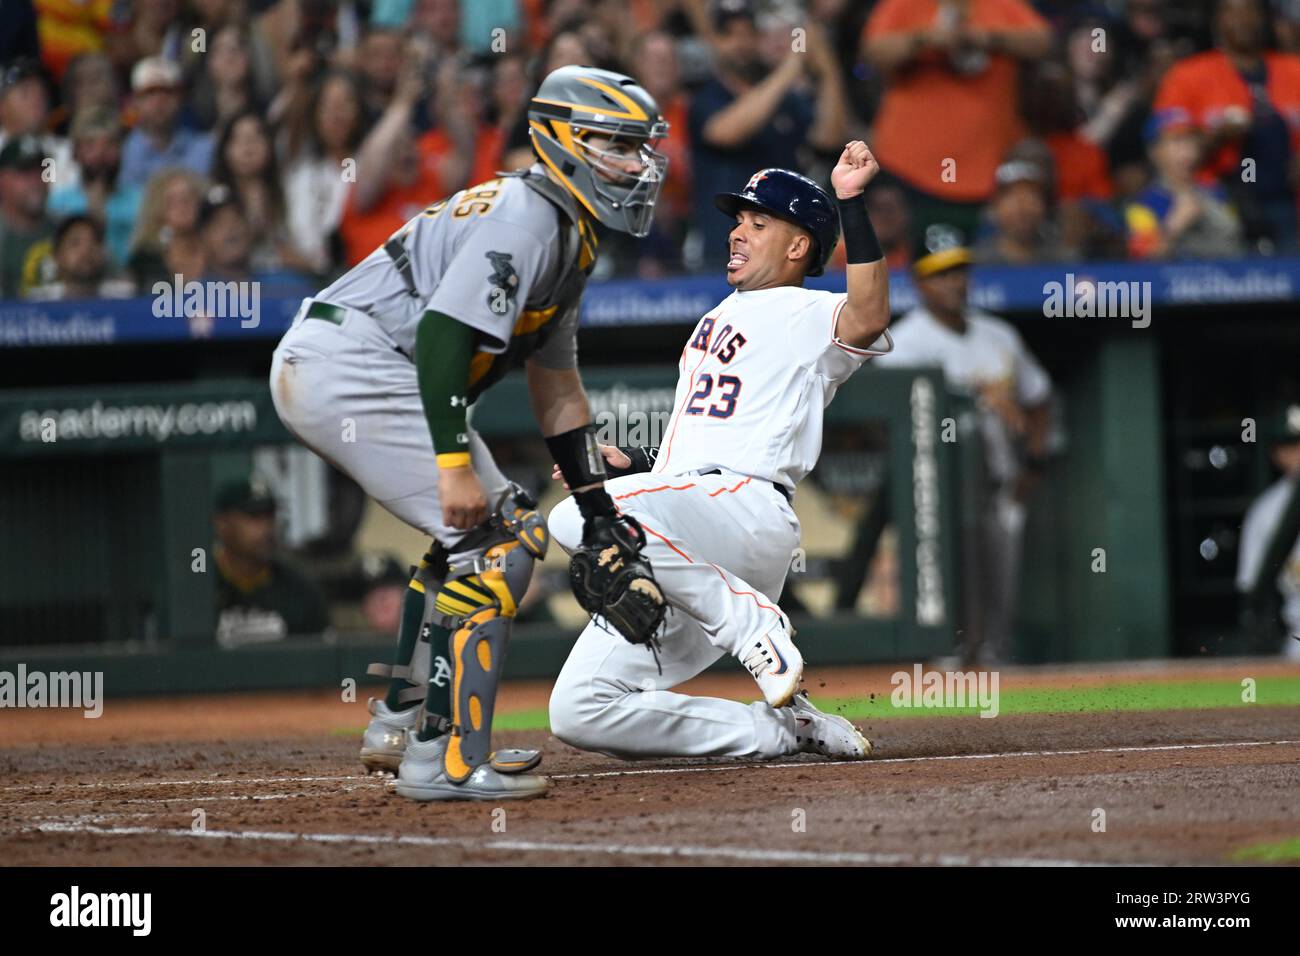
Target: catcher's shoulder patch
x,y
504,281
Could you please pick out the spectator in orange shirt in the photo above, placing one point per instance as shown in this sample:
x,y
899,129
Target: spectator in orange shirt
x,y
394,179
1081,182
948,113
1246,99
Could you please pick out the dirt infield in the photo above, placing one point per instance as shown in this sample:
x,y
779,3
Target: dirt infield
x,y
272,779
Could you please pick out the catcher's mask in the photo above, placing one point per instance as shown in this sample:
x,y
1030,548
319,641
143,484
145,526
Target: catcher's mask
x,y
597,132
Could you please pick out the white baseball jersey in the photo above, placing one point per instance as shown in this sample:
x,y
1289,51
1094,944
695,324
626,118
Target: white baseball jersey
x,y
990,355
1256,533
754,379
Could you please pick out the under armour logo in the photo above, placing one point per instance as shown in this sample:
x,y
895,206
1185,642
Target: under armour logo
x,y
459,400
441,672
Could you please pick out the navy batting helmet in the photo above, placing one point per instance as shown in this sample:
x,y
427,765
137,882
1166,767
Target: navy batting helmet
x,y
796,199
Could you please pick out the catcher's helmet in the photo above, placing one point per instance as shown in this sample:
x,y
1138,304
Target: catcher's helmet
x,y
575,102
796,199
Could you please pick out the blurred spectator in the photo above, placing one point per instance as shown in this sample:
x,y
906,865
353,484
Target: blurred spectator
x,y
25,111
1246,99
157,140
747,117
385,583
1081,179
948,113
260,597
450,148
510,93
984,360
166,242
393,180
1269,552
1111,90
1020,216
81,266
1176,215
245,163
25,228
88,84
438,22
322,133
892,220
654,58
143,29
99,193
227,238
226,82
379,63
68,30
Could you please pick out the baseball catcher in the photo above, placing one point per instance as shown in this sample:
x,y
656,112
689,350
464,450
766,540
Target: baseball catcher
x,y
399,349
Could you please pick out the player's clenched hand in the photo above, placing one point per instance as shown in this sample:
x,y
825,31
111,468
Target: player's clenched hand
x,y
856,168
463,503
613,457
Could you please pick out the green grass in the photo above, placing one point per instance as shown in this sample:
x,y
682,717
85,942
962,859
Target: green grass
x,y
1283,851
1155,695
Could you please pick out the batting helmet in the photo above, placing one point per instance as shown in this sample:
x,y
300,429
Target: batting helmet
x,y
575,102
796,199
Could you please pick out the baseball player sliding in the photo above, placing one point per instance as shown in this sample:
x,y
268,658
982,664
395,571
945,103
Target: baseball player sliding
x,y
714,499
377,375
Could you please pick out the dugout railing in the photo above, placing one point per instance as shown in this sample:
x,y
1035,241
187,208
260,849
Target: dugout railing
x,y
105,493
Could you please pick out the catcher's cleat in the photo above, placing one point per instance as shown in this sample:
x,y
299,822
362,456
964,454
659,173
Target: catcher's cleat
x,y
826,734
384,741
422,777
775,663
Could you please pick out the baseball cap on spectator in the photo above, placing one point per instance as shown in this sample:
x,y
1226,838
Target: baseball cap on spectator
x,y
155,73
942,247
23,152
1019,171
727,10
216,199
380,569
250,496
1167,122
1284,427
19,71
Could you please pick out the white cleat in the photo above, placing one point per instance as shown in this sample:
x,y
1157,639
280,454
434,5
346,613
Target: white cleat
x,y
775,663
421,777
826,734
384,741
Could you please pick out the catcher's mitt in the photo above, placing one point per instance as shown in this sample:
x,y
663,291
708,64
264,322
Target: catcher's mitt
x,y
610,577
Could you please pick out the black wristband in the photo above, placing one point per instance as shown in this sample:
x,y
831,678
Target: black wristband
x,y
578,456
860,242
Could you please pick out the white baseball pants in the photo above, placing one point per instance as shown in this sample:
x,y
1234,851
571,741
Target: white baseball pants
x,y
719,545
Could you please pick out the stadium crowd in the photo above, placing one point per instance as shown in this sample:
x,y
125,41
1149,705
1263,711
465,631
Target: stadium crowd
x,y
239,139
